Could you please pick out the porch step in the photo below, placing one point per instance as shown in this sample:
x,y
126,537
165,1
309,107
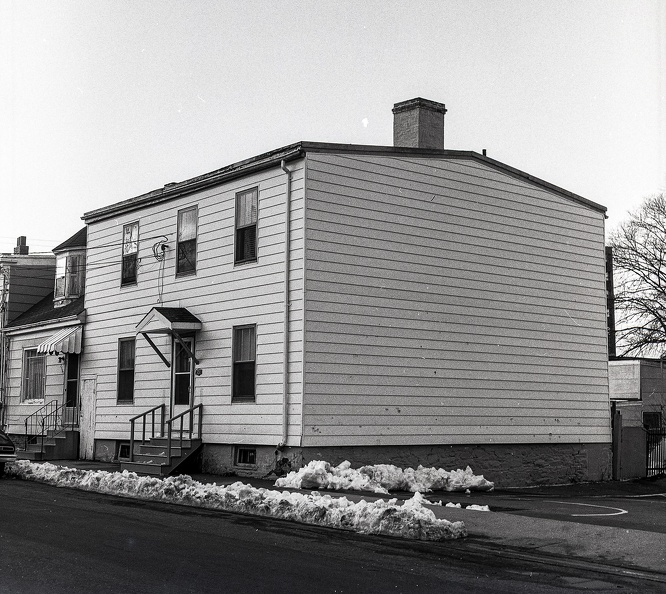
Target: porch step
x,y
152,456
64,446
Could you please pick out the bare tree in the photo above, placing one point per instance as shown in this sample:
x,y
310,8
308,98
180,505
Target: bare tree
x,y
639,262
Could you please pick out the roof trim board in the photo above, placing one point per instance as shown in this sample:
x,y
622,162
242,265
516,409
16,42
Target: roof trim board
x,y
299,150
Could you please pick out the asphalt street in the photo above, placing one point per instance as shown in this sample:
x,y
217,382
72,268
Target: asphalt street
x,y
631,511
61,540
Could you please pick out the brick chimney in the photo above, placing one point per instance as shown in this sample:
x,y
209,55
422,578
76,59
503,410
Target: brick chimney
x,y
21,249
419,123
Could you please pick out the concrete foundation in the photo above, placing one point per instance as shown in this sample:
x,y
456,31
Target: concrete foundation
x,y
505,465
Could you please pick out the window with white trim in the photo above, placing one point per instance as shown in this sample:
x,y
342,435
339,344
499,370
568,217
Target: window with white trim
x,y
186,242
247,206
34,375
130,253
244,363
126,348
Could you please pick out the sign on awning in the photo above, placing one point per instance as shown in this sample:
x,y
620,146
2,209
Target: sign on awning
x,y
67,340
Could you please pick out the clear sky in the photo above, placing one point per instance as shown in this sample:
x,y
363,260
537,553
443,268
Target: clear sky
x,y
104,100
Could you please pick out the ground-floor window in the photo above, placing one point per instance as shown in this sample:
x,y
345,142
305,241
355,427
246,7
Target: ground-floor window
x,y
244,363
34,375
126,369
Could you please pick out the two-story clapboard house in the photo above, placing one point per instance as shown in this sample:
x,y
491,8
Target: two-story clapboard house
x,y
44,346
405,304
25,279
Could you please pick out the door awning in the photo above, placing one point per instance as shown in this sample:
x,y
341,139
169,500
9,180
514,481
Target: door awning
x,y
173,321
67,340
166,320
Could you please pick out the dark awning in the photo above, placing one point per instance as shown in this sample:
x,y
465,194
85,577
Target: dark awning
x,y
173,321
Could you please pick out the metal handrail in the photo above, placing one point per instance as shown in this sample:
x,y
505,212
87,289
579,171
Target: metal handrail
x,y
42,421
170,422
144,415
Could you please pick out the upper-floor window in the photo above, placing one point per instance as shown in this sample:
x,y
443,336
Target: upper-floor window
x,y
34,375
186,245
246,225
130,251
70,275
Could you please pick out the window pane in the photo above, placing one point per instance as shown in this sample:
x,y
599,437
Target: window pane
x,y
244,380
182,363
187,224
61,266
75,275
129,269
246,244
130,238
126,385
187,256
246,207
126,356
244,344
181,389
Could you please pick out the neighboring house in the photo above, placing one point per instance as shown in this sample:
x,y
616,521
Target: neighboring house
x,y
25,279
44,348
407,304
638,397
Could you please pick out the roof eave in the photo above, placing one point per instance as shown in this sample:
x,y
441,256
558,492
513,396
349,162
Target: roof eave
x,y
299,149
175,190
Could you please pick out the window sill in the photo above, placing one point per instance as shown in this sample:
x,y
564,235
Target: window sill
x,y
244,262
188,273
129,284
33,401
243,400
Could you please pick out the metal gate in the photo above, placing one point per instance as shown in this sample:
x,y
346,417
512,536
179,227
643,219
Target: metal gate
x,y
656,451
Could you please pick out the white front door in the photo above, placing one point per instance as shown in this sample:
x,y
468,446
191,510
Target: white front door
x,y
87,421
182,380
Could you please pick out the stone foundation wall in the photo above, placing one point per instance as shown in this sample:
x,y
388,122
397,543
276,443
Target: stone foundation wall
x,y
505,465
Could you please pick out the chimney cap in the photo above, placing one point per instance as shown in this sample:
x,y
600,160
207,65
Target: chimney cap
x,y
419,102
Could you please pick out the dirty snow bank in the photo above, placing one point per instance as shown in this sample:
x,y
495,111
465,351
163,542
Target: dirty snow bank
x,y
382,478
410,520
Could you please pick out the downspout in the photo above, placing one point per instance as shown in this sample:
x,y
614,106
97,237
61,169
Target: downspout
x,y
285,347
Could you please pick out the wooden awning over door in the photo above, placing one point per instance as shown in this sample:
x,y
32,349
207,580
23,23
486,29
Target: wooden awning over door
x,y
173,321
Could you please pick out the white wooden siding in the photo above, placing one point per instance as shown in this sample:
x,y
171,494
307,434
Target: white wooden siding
x,y
451,303
220,294
54,386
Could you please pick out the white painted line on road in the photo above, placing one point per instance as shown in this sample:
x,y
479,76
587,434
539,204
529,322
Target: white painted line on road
x,y
618,511
648,495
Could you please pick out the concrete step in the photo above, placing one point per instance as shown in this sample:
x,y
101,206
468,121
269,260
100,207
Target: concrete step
x,y
158,450
155,458
30,455
175,441
143,468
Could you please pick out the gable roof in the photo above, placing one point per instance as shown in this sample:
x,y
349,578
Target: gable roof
x,y
299,150
161,320
78,240
44,312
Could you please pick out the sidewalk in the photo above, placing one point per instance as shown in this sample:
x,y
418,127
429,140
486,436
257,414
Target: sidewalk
x,y
610,548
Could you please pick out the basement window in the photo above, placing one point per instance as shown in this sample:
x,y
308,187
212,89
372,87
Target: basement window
x,y
246,457
652,420
123,451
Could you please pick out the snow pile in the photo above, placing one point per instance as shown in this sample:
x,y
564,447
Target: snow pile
x,y
478,507
410,520
382,478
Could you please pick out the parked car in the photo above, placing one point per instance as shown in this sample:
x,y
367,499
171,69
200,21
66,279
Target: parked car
x,y
7,451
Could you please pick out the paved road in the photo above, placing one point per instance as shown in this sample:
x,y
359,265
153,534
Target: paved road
x,y
61,540
633,512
